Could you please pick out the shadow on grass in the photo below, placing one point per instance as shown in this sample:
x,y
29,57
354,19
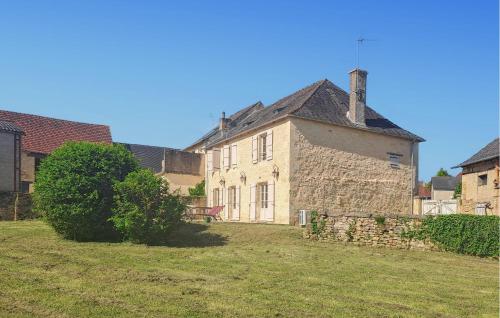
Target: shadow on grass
x,y
194,235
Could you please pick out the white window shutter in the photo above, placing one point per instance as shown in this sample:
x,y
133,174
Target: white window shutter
x,y
216,159
210,195
236,210
226,208
220,198
226,159
255,150
252,202
210,161
269,145
270,201
234,155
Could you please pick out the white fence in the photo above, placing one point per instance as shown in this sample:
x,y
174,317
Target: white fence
x,y
435,207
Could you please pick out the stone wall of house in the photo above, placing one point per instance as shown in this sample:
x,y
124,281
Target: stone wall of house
x,y
24,206
370,230
7,161
338,170
474,193
183,162
247,173
28,169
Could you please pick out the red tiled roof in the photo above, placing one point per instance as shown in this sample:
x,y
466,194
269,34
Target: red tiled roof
x,y
44,134
423,191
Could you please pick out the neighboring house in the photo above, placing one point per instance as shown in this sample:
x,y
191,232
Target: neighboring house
x,y
423,191
10,156
182,169
319,148
443,188
43,134
480,181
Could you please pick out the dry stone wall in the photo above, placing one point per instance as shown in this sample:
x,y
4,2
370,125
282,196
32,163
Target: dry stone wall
x,y
371,230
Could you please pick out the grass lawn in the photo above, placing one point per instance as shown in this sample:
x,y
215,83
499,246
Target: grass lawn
x,y
235,270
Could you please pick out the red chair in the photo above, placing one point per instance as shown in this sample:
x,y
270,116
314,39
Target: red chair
x,y
215,213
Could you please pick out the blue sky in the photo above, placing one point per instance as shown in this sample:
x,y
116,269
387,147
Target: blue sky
x,y
161,72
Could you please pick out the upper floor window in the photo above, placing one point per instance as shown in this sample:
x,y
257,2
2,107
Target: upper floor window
x,y
262,146
230,156
394,160
482,180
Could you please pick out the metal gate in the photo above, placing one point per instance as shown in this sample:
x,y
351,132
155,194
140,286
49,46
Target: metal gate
x,y
436,207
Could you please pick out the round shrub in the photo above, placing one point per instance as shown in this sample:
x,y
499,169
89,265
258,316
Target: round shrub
x,y
145,211
74,188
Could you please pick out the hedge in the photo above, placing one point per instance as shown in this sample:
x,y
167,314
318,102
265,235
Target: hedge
x,y
462,233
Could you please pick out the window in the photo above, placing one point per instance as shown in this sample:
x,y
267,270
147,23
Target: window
x,y
231,198
215,197
480,209
482,180
263,192
262,147
25,186
394,160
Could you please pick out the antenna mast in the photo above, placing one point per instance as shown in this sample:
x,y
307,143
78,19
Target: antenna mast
x,y
360,41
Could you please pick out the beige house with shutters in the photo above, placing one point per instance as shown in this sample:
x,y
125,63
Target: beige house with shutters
x,y
319,148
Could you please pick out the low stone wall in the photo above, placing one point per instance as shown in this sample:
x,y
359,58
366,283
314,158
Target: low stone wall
x,y
370,230
24,206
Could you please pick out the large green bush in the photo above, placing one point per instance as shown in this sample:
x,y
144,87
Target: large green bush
x,y
145,211
463,233
74,188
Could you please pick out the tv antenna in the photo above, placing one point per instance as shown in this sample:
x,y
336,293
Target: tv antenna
x,y
360,42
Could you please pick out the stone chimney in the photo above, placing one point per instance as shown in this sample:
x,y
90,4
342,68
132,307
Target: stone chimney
x,y
357,96
223,124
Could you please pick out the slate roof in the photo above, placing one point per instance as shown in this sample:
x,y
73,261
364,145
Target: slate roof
x,y
447,183
10,127
490,151
234,120
44,134
322,101
149,157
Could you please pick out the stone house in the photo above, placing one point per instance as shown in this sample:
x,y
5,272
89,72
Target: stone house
x,y
443,188
181,169
480,181
10,156
319,148
42,135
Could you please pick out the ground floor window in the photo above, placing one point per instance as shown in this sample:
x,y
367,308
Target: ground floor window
x,y
215,197
231,198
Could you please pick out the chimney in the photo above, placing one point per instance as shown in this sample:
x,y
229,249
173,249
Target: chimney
x,y
357,96
223,122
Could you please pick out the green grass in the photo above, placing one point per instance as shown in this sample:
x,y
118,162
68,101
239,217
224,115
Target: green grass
x,y
235,270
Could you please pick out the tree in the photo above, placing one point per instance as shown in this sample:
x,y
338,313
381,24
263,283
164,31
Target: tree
x,y
198,190
74,188
145,211
442,173
458,190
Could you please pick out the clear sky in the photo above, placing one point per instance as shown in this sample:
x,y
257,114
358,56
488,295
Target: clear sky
x,y
161,72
